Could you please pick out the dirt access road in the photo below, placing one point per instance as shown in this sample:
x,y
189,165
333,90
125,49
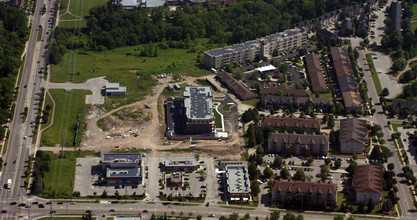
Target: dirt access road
x,y
150,137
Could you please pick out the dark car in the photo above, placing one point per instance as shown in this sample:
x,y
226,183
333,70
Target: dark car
x,y
3,211
111,210
145,211
59,203
41,206
48,203
35,203
13,203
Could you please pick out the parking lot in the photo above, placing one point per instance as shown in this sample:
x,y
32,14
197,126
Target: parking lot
x,y
312,171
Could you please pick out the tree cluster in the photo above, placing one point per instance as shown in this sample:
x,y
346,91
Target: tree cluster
x,y
111,26
42,161
13,35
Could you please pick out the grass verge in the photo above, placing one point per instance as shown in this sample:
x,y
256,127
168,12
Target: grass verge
x,y
49,103
375,77
69,106
40,32
227,107
217,119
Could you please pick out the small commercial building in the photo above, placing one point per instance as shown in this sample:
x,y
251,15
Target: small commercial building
x,y
266,69
121,168
180,164
114,89
237,180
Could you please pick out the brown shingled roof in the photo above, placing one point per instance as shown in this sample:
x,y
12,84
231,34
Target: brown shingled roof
x,y
343,68
352,99
353,129
289,138
238,88
304,186
368,178
285,91
291,121
318,83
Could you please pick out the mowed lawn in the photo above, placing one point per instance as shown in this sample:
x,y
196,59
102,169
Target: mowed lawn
x,y
68,104
82,7
73,23
60,177
414,12
116,64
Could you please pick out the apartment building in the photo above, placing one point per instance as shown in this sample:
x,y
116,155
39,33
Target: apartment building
x,y
298,144
198,104
353,136
262,48
368,183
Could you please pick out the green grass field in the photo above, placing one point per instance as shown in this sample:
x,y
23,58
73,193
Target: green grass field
x,y
59,180
82,7
71,24
68,104
413,25
375,77
40,32
48,101
227,107
217,119
414,9
116,63
326,95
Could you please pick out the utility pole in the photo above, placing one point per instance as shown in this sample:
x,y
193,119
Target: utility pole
x,y
29,212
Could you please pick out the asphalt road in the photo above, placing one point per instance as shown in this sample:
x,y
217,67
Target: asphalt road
x,y
21,133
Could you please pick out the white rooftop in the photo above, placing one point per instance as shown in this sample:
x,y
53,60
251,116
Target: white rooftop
x,y
266,68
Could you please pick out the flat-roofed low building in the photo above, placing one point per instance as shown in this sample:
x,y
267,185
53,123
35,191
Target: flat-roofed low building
x,y
180,164
122,168
114,89
237,181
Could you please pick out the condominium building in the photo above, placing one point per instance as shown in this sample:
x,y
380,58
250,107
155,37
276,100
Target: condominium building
x,y
298,144
198,104
262,48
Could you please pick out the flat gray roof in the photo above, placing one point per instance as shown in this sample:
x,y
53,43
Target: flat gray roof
x,y
154,3
124,172
236,47
128,218
173,161
112,85
121,158
237,178
198,102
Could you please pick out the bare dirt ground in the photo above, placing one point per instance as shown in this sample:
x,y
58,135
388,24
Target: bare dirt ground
x,y
146,132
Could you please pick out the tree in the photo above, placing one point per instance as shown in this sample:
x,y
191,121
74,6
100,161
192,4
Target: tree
x,y
339,217
385,92
284,173
268,173
330,122
327,161
299,175
310,160
351,168
370,206
390,166
337,164
275,215
300,217
324,171
277,161
387,206
355,156
229,68
104,194
254,187
283,68
325,117
289,216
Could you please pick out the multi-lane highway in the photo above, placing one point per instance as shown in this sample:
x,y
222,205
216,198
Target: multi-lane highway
x,y
21,133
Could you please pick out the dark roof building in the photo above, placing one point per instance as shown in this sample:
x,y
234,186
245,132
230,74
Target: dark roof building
x,y
353,136
327,35
347,84
395,16
368,183
241,91
291,122
313,192
298,144
318,83
122,168
276,102
363,25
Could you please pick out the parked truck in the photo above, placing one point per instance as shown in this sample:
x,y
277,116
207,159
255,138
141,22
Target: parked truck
x,y
9,183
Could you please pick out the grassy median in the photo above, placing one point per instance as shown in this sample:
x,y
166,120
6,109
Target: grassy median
x,y
374,75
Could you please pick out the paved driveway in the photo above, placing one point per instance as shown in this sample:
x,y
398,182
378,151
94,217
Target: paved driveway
x,y
95,85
